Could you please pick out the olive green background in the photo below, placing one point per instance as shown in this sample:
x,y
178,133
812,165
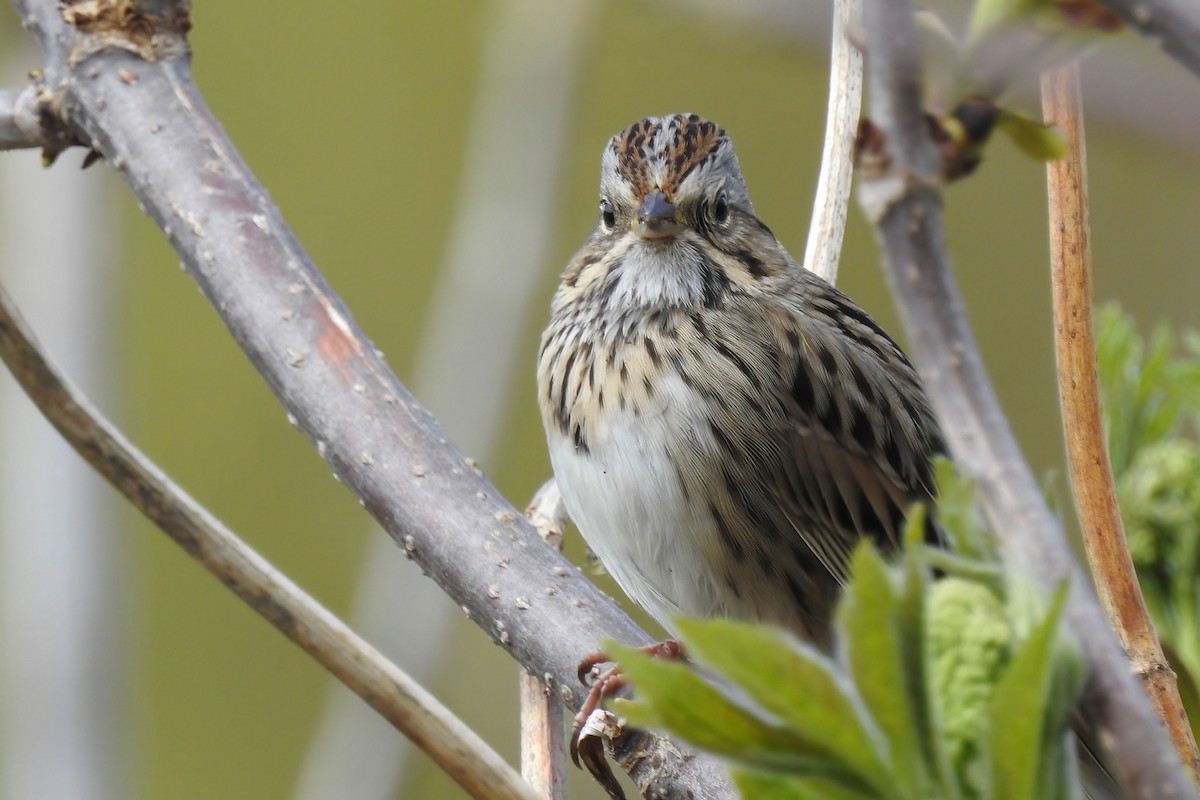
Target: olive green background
x,y
354,116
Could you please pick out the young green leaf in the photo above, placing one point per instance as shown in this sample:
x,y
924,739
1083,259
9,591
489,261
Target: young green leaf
x,y
958,516
799,686
875,655
968,646
766,786
670,695
1043,142
1028,713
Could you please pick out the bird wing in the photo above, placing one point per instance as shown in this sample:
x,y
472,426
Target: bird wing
x,y
849,438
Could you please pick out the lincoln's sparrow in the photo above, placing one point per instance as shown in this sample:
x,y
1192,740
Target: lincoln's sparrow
x,y
724,425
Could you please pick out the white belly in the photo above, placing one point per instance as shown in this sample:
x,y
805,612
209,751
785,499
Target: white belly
x,y
626,499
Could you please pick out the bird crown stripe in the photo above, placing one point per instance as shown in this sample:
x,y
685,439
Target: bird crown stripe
x,y
661,152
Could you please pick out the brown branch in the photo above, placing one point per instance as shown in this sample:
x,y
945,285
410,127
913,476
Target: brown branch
x,y
386,688
141,109
904,203
1083,426
543,739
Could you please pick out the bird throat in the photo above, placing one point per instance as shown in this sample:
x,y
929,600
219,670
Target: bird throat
x,y
667,273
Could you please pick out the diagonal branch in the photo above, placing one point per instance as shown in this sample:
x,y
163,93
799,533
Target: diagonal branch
x,y
140,108
906,209
1083,426
395,696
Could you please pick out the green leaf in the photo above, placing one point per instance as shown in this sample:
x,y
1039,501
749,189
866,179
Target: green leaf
x,y
673,697
941,58
1157,405
883,667
1118,355
968,645
753,785
1160,501
767,786
957,513
1055,22
1043,142
912,617
1029,710
988,16
799,686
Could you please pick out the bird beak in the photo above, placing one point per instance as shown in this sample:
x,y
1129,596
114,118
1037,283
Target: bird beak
x,y
657,217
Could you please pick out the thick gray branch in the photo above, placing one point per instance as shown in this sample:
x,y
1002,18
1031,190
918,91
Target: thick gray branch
x,y
152,127
1174,25
909,228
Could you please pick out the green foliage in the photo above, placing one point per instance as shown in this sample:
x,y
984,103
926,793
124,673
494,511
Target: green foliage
x,y
1062,28
1038,141
969,644
1030,755
1008,39
1151,404
934,691
1005,41
1148,394
958,516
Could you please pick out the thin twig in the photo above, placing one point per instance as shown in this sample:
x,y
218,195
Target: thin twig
x,y
828,224
12,137
28,120
397,698
154,129
548,513
543,734
905,207
62,551
543,738
1083,426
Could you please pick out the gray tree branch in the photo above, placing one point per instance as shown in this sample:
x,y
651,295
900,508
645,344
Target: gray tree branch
x,y
122,82
1174,25
905,206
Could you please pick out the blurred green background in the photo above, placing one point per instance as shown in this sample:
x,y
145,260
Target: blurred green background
x,y
356,117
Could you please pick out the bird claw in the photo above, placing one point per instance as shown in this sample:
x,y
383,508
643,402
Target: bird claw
x,y
588,746
588,672
600,684
593,725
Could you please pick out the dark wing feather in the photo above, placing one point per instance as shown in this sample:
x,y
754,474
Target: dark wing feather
x,y
861,432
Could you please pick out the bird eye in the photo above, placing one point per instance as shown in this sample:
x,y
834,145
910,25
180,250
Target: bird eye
x,y
721,210
608,215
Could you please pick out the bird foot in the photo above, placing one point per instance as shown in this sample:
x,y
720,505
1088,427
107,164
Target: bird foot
x,y
593,725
